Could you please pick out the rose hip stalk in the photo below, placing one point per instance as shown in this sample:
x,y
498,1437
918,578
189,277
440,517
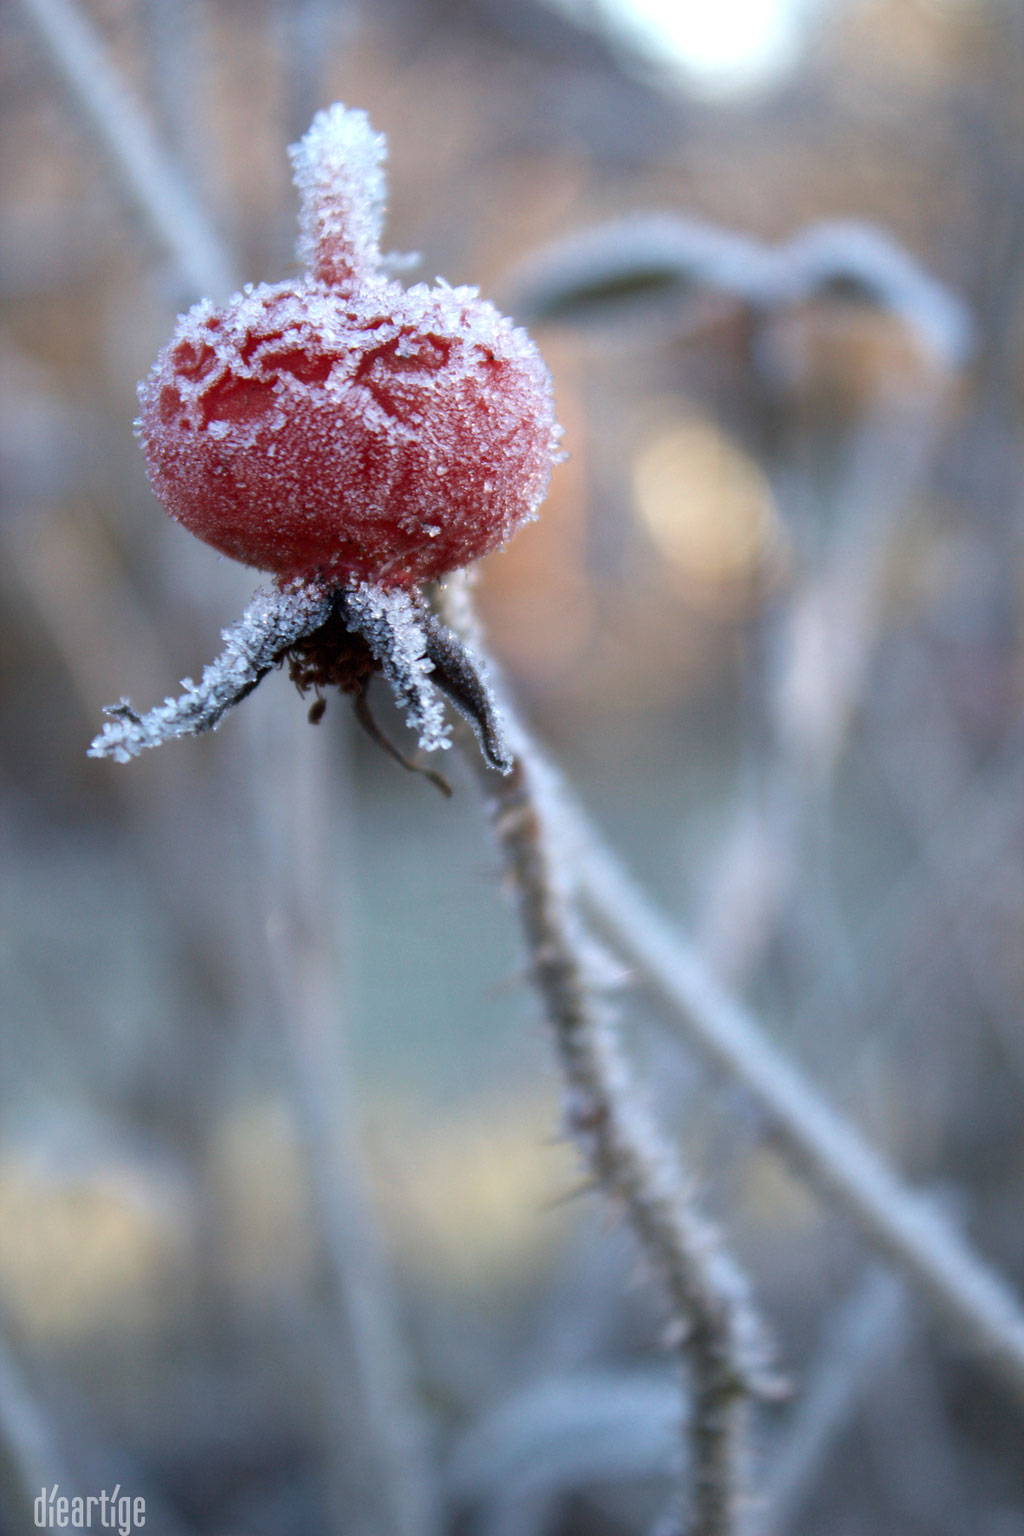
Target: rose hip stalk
x,y
356,439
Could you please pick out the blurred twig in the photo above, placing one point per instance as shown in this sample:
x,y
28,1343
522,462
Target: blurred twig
x,y
915,1433
68,580
964,823
38,1451
664,253
828,628
822,1144
388,1498
178,48
829,632
376,1455
656,256
562,1433
863,1337
31,1454
119,122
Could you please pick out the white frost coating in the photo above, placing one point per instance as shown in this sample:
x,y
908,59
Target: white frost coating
x,y
338,168
392,627
272,622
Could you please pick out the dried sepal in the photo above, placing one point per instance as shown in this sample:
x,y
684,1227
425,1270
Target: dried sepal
x,y
462,677
391,623
329,636
273,622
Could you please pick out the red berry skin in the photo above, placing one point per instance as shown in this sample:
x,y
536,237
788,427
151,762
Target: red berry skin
x,y
377,433
341,424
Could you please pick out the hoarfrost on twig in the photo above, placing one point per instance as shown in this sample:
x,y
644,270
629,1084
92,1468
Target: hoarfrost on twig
x,y
711,1312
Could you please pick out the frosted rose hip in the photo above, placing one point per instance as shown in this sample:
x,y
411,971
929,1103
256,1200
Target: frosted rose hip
x,y
343,423
383,434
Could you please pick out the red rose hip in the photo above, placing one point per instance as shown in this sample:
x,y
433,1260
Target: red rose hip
x,y
342,424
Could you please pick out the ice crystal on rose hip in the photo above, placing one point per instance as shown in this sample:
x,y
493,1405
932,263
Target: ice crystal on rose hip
x,y
358,440
341,423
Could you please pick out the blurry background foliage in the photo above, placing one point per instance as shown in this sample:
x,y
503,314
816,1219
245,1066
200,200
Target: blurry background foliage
x,y
771,623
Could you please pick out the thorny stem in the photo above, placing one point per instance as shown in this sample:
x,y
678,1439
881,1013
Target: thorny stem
x,y
630,1161
712,1318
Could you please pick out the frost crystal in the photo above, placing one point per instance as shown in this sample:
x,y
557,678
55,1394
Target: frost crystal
x,y
338,167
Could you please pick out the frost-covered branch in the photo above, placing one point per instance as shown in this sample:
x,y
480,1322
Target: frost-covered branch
x,y
711,1314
